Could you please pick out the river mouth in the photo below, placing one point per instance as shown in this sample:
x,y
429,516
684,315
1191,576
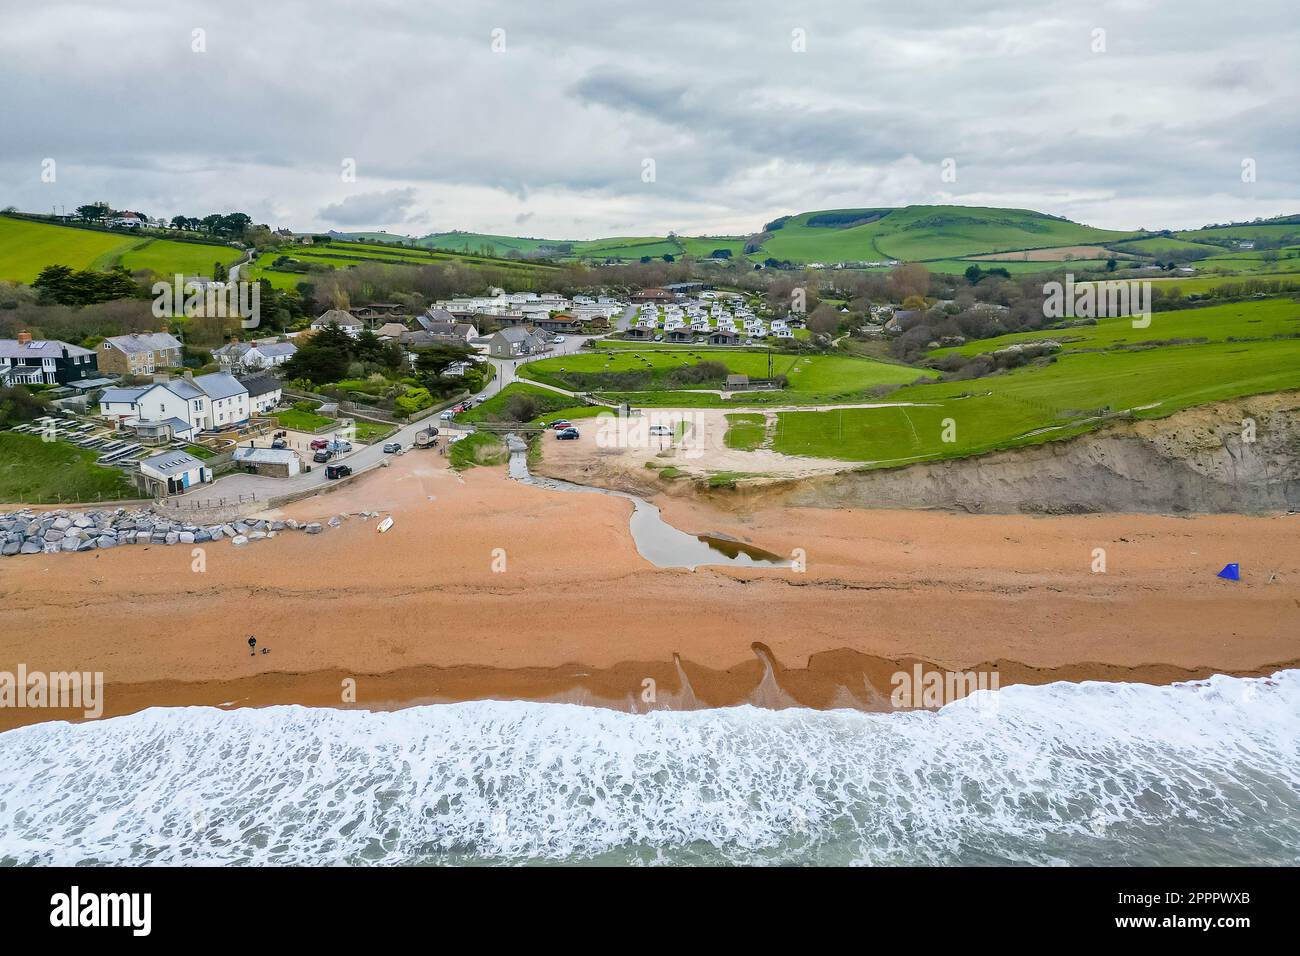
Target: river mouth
x,y
656,540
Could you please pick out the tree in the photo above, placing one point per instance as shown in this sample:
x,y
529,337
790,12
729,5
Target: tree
x,y
1111,264
94,212
18,405
974,274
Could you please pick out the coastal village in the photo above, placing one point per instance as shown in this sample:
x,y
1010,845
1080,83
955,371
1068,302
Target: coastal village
x,y
188,440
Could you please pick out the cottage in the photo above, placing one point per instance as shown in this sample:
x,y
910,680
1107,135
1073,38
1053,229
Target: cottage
x,y
724,337
348,323
48,362
264,392
680,335
514,342
172,473
266,353
140,353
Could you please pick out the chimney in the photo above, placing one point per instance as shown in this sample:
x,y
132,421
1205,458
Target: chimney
x,y
189,375
24,337
165,327
234,340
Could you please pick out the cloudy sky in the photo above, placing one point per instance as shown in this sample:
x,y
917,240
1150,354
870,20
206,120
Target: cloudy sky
x,y
546,120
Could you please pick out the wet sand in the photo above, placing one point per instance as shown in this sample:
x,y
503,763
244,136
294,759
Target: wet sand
x,y
485,588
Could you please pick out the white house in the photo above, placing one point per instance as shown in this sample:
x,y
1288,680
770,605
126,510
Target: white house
x,y
254,355
189,405
347,322
263,392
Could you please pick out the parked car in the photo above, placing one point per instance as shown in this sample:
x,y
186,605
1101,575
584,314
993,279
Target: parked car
x,y
392,447
337,471
339,447
660,430
279,443
318,443
559,338
567,434
321,455
447,415
659,338
560,423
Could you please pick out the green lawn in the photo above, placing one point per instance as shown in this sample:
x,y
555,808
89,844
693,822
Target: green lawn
x,y
168,258
1041,402
33,470
301,421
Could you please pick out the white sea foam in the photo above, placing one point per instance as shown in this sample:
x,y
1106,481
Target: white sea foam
x,y
1204,772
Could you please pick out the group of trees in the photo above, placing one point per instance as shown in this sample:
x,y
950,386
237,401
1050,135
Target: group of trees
x,y
61,285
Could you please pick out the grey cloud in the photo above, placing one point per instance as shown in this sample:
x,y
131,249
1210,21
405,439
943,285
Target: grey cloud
x,y
369,209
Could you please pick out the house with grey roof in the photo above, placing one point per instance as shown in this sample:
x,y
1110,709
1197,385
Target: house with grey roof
x,y
172,473
346,321
24,361
516,341
140,353
264,392
265,353
204,403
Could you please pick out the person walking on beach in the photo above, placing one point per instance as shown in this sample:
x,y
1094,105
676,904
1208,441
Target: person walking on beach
x,y
252,646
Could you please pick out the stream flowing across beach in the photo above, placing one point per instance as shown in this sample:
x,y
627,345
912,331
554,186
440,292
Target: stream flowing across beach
x,y
656,540
1198,773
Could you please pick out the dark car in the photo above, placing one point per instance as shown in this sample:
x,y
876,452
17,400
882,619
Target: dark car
x,y
279,443
337,471
321,455
567,433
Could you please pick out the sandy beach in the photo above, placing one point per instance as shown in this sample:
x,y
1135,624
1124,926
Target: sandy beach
x,y
486,588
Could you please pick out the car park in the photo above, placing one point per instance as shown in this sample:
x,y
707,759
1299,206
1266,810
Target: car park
x,y
392,447
337,471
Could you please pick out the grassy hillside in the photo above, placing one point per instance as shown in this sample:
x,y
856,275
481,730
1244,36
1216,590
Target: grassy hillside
x,y
1070,395
320,259
27,247
919,233
36,470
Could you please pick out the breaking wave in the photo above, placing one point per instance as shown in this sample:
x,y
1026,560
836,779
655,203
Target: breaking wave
x,y
1206,772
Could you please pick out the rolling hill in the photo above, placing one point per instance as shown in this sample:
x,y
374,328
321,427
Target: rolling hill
x,y
27,247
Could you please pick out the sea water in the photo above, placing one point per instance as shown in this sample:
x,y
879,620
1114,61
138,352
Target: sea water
x,y
1206,772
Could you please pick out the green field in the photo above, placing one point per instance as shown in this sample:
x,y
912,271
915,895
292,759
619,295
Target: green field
x,y
1158,246
33,470
27,247
1070,395
812,378
1218,323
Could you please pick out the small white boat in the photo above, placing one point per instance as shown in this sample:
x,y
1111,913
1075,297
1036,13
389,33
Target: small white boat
x,y
385,524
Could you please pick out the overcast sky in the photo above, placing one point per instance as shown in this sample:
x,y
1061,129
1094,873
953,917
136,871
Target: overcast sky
x,y
537,119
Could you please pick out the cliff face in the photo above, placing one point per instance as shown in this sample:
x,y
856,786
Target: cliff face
x,y
1195,461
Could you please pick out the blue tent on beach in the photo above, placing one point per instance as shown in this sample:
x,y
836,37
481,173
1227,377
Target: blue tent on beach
x,y
1230,572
